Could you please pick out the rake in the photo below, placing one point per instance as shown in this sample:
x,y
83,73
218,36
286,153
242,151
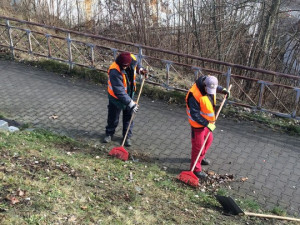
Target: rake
x,y
120,152
189,177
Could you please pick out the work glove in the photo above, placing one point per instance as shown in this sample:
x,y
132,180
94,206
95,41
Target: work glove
x,y
133,106
226,92
211,127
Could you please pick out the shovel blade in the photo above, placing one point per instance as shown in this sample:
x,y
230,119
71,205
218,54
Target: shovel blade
x,y
229,205
189,178
120,153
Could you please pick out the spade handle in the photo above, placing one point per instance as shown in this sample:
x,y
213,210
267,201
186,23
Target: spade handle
x,y
271,216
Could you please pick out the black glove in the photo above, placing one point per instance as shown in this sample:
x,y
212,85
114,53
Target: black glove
x,y
133,106
226,92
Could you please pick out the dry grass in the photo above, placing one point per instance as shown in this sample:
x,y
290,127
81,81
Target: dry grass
x,y
56,180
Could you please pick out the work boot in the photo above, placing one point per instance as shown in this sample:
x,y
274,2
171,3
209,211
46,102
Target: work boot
x,y
107,139
201,175
128,142
205,162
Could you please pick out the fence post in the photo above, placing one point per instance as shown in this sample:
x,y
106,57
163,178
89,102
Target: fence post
x,y
92,54
196,71
48,36
168,64
140,56
11,44
28,32
69,42
228,76
114,52
261,93
296,102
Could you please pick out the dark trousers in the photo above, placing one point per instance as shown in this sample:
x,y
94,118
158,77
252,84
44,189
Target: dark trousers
x,y
113,119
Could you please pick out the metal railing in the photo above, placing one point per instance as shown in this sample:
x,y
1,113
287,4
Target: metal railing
x,y
272,92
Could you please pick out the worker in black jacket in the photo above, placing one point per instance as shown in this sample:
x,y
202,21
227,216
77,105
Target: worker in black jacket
x,y
121,89
200,107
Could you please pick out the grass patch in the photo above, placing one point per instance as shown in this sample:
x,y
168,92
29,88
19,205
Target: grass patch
x,y
172,97
279,211
249,205
285,125
222,192
51,179
77,71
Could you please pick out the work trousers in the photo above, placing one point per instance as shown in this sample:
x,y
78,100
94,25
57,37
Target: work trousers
x,y
198,136
113,119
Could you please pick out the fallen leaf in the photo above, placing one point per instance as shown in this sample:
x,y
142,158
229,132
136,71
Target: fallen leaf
x,y
244,179
14,200
20,193
72,219
53,117
84,207
211,173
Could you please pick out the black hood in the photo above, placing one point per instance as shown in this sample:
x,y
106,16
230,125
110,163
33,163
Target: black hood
x,y
200,84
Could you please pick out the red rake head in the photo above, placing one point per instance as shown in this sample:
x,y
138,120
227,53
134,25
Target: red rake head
x,y
189,178
119,152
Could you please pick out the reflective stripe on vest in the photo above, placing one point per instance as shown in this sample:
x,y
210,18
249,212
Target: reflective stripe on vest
x,y
207,110
110,90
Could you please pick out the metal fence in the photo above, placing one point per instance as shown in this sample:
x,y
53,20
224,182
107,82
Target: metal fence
x,y
258,89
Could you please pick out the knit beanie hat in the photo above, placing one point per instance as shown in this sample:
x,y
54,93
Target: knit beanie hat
x,y
124,59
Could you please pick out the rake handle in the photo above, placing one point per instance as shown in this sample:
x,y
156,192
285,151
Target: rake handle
x,y
133,114
217,115
271,216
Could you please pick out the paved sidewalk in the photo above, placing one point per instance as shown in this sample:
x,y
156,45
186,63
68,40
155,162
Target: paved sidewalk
x,y
269,159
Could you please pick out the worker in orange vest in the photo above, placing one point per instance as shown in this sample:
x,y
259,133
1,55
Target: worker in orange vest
x,y
200,108
121,89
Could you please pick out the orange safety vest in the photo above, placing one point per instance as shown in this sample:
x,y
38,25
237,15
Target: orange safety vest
x,y
110,90
207,109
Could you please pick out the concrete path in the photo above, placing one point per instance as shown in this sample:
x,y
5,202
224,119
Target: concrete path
x,y
269,159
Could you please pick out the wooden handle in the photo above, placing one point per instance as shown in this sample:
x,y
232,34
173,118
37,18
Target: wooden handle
x,y
202,147
271,216
138,98
223,102
133,114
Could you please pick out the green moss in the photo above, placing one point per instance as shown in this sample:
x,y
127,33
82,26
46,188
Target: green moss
x,y
171,96
286,125
77,71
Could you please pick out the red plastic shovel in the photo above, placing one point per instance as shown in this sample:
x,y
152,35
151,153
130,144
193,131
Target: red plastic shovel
x,y
120,152
189,177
